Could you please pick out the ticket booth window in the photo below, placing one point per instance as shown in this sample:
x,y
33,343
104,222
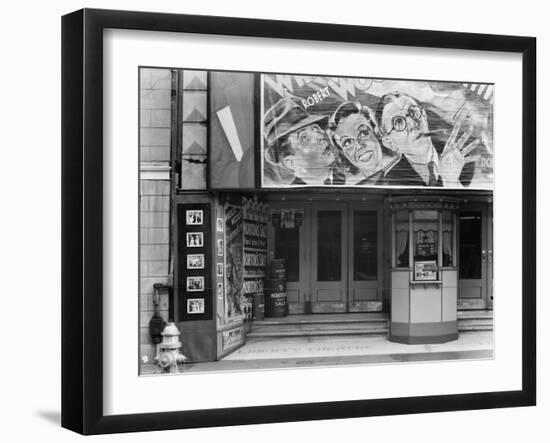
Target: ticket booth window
x,y
425,230
426,244
402,239
447,238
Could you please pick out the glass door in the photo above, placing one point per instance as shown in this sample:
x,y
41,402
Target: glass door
x,y
329,257
365,271
290,241
334,256
474,258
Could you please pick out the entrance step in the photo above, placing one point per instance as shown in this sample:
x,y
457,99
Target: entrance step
x,y
477,320
316,325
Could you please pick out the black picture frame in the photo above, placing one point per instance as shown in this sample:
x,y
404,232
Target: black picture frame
x,y
82,218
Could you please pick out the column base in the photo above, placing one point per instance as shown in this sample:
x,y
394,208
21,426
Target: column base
x,y
423,333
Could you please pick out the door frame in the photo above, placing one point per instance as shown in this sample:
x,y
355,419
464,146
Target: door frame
x,y
300,293
485,301
297,291
338,303
375,297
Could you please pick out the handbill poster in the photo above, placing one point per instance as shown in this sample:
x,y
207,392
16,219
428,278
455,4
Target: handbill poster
x,y
335,131
234,261
425,270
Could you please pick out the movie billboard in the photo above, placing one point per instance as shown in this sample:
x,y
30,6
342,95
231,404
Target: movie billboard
x,y
337,131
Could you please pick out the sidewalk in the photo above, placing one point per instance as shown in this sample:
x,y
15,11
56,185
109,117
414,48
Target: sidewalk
x,y
334,351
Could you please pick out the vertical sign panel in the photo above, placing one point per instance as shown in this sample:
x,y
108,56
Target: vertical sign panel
x,y
231,130
195,262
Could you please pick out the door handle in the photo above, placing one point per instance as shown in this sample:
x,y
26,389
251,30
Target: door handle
x,y
483,255
490,256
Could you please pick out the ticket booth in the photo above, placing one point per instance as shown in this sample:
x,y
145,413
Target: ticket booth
x,y
424,271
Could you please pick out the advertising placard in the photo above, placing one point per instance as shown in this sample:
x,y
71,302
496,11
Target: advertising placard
x,y
371,132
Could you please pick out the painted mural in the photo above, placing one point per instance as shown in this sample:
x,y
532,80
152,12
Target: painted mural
x,y
329,131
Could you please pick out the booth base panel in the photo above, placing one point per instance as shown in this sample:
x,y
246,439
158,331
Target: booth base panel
x,y
231,337
423,333
198,340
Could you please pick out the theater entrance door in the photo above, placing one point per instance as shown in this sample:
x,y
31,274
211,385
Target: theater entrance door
x,y
334,255
475,257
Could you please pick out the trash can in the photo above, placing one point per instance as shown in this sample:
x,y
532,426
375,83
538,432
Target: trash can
x,y
276,304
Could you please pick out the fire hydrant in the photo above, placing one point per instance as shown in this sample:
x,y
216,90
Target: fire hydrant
x,y
169,355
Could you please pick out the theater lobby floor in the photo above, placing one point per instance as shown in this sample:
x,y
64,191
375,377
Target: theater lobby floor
x,y
334,351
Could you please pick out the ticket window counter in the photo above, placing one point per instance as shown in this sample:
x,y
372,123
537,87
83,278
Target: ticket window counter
x,y
424,273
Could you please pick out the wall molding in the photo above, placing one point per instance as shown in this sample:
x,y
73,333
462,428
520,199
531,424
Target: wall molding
x,y
154,171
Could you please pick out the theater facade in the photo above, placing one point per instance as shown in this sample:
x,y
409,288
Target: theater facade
x,y
376,193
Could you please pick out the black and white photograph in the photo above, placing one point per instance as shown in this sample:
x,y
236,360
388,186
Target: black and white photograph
x,y
193,217
195,261
283,221
195,239
195,284
376,133
368,232
195,305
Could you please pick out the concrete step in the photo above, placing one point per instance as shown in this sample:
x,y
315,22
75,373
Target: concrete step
x,y
475,314
321,325
317,325
325,326
318,333
325,318
476,320
475,328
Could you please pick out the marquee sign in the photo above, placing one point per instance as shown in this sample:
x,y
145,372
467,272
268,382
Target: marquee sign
x,y
332,131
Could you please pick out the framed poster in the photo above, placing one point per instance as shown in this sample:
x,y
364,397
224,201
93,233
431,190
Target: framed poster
x,y
219,225
195,239
103,52
425,270
195,261
194,217
195,305
388,133
195,284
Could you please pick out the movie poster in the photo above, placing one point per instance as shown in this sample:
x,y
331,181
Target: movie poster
x,y
330,131
234,261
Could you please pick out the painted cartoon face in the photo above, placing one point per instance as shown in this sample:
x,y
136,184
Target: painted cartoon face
x,y
355,136
312,154
404,122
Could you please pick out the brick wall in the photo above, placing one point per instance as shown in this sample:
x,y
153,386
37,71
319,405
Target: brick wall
x,y
155,91
155,118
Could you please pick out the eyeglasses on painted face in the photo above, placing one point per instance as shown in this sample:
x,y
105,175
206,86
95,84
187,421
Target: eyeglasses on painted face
x,y
399,122
364,132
